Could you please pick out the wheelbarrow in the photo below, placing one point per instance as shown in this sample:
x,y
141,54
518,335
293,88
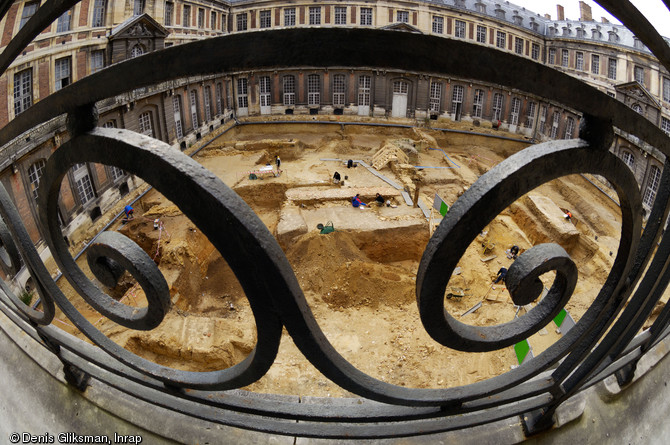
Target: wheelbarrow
x,y
328,228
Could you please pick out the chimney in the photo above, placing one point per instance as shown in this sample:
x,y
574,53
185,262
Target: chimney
x,y
560,12
604,19
585,12
547,16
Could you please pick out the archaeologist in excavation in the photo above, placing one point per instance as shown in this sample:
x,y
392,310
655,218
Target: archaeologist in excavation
x,y
128,210
336,178
502,273
379,199
356,201
513,252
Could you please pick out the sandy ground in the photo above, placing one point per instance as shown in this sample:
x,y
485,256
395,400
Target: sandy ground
x,y
360,279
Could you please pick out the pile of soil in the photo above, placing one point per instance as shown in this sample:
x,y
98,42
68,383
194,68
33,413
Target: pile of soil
x,y
334,267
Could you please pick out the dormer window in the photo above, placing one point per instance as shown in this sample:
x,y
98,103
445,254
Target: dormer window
x,y
637,44
480,7
613,36
500,13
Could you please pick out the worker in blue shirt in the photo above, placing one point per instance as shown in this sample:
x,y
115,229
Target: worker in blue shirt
x,y
356,201
502,274
129,212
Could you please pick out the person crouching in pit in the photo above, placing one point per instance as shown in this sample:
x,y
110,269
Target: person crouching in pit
x,y
356,202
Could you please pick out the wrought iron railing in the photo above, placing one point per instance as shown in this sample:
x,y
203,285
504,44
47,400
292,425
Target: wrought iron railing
x,y
603,342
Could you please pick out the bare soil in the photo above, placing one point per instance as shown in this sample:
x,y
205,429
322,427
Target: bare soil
x,y
360,279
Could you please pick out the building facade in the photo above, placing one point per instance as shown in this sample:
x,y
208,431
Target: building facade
x,y
96,33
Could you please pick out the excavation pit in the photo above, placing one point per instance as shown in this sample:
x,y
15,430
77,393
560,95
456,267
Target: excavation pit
x,y
359,280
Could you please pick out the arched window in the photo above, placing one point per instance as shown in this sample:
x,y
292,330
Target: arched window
x,y
265,94
530,114
289,90
219,99
400,87
338,90
35,174
364,83
629,159
435,95
176,109
515,111
242,93
364,88
456,98
194,109
313,90
569,128
136,51
497,106
652,186
477,103
116,173
83,183
146,126
207,96
555,118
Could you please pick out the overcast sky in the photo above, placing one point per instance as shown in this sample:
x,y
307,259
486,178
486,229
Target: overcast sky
x,y
654,10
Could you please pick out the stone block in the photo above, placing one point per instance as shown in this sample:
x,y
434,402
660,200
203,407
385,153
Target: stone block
x,y
291,225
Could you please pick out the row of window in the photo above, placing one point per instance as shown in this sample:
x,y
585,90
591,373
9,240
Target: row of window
x,y
459,32
340,18
146,119
63,77
23,96
314,17
80,175
595,63
402,88
194,109
23,80
214,22
653,179
313,90
365,19
481,33
64,22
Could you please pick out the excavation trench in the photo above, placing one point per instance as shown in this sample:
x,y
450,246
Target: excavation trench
x,y
359,279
